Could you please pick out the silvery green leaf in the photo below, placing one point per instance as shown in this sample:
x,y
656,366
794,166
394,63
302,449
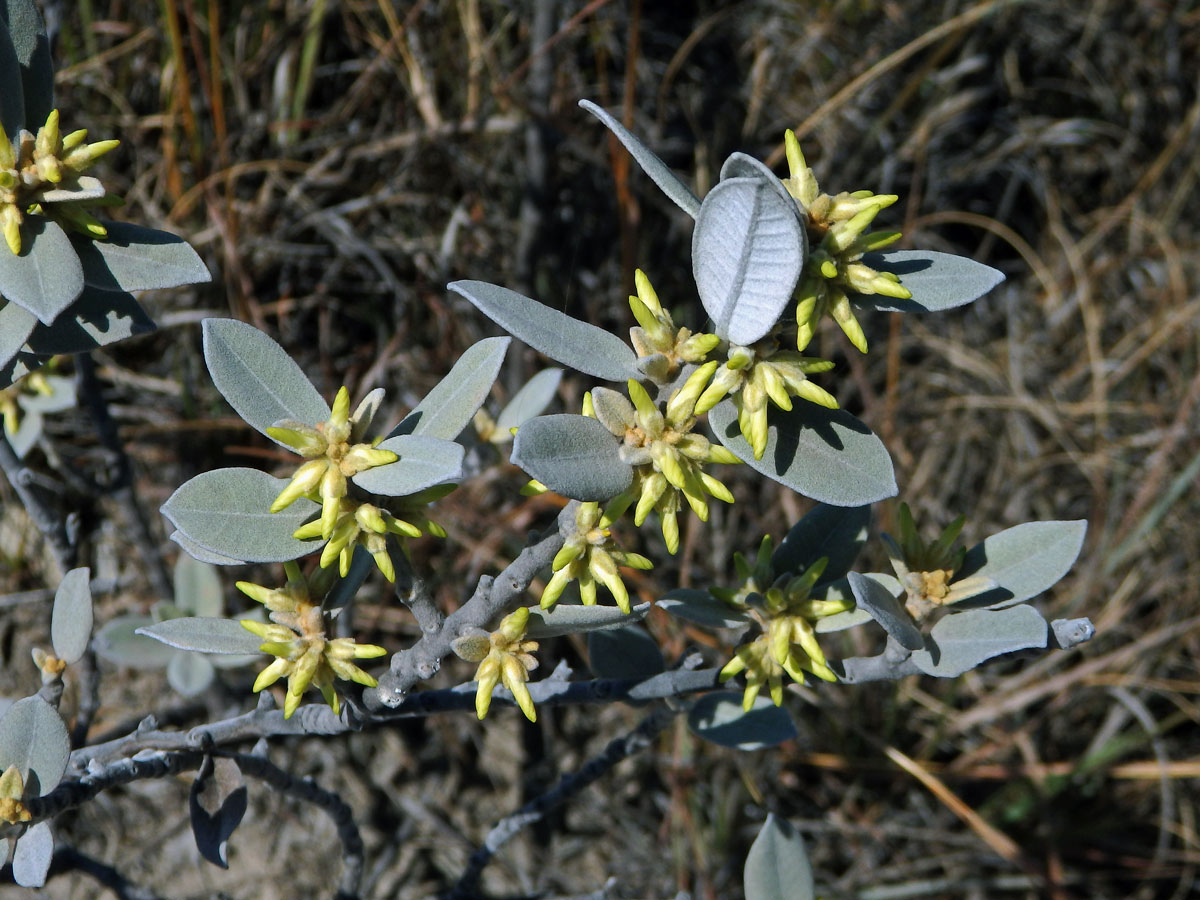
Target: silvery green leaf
x,y
46,277
190,674
12,103
258,378
25,437
32,48
668,182
886,609
572,455
573,343
702,608
747,253
841,621
742,165
424,461
31,859
563,619
197,586
34,739
718,717
1023,561
16,324
203,554
203,635
86,188
835,532
961,641
228,512
937,281
344,589
624,652
777,866
531,400
96,319
216,805
450,406
826,454
61,396
71,618
133,258
118,642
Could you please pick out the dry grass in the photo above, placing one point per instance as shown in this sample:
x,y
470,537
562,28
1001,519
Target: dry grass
x,y
337,163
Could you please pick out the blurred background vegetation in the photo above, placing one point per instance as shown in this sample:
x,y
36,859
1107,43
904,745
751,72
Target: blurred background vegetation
x,y
336,163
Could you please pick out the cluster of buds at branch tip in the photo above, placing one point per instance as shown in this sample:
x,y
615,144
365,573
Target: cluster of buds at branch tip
x,y
44,162
590,555
504,656
33,384
667,455
837,229
785,614
926,571
297,639
661,347
335,451
753,375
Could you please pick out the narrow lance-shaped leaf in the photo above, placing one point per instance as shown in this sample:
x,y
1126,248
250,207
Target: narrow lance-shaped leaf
x,y
46,277
71,618
32,46
937,281
133,258
718,717
450,406
573,343
227,511
12,103
1023,561
563,619
34,739
834,532
777,866
204,635
885,608
203,554
961,641
16,324
748,250
424,461
531,400
821,453
668,182
197,587
190,674
258,378
573,455
624,652
702,608
96,319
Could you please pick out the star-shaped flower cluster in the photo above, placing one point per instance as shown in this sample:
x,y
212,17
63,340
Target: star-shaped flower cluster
x,y
926,570
40,174
590,555
837,232
784,612
298,639
503,656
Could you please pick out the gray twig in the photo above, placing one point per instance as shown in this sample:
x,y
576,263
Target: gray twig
x,y
568,786
68,859
492,597
48,520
